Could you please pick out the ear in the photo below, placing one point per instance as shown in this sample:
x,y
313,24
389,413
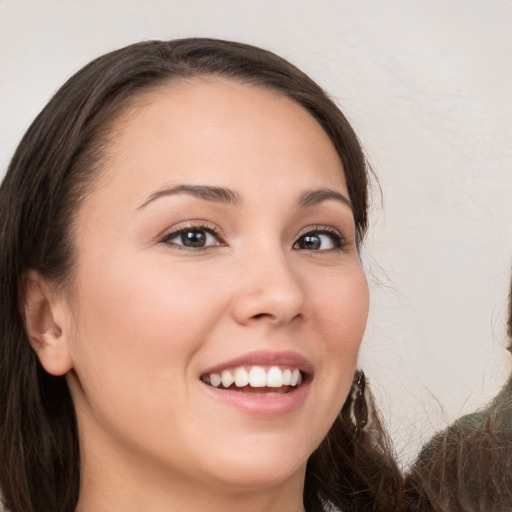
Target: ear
x,y
46,316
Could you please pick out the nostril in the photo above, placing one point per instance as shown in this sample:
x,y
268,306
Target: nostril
x,y
261,315
272,318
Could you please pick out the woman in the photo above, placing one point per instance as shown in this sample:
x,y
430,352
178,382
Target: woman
x,y
468,467
182,296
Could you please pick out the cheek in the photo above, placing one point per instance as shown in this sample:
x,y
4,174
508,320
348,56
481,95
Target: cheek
x,y
140,326
341,309
139,330
158,299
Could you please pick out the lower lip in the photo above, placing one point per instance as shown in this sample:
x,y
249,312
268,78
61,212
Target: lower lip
x,y
265,405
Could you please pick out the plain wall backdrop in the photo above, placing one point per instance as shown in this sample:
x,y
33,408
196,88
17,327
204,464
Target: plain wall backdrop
x,y
427,85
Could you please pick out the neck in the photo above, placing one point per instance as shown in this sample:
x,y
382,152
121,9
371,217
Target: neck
x,y
113,496
112,481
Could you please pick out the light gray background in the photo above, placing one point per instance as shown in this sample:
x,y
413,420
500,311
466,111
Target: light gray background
x,y
427,85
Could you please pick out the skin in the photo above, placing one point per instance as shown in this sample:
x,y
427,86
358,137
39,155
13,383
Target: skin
x,y
145,316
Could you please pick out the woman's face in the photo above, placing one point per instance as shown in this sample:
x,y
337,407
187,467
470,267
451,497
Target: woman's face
x,y
219,246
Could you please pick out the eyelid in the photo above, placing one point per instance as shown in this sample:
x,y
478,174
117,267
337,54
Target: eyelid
x,y
341,240
190,226
319,228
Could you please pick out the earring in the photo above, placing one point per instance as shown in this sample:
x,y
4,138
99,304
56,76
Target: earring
x,y
358,406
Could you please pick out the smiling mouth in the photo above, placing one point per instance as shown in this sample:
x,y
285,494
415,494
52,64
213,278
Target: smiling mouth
x,y
256,379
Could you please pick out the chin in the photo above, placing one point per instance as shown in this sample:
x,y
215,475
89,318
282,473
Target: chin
x,y
260,464
250,475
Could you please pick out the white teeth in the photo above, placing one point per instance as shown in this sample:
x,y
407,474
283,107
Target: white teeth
x,y
241,377
215,379
227,378
257,377
274,377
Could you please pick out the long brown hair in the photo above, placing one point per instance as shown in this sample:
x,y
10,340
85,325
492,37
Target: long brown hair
x,y
54,167
468,467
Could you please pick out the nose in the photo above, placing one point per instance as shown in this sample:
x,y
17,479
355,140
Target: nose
x,y
269,291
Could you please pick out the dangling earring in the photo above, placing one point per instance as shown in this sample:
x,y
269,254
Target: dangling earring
x,y
358,406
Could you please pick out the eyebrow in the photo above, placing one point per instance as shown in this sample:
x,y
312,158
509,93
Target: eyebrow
x,y
205,192
314,197
227,196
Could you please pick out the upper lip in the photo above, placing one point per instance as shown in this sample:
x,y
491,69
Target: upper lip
x,y
266,358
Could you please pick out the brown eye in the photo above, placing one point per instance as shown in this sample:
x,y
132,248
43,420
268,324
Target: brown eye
x,y
310,242
319,241
193,238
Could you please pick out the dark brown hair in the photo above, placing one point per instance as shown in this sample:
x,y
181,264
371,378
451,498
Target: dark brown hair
x,y
54,167
468,467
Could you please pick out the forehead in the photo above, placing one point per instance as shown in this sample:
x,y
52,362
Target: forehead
x,y
220,131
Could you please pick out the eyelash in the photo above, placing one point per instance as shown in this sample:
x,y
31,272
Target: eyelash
x,y
210,230
339,242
